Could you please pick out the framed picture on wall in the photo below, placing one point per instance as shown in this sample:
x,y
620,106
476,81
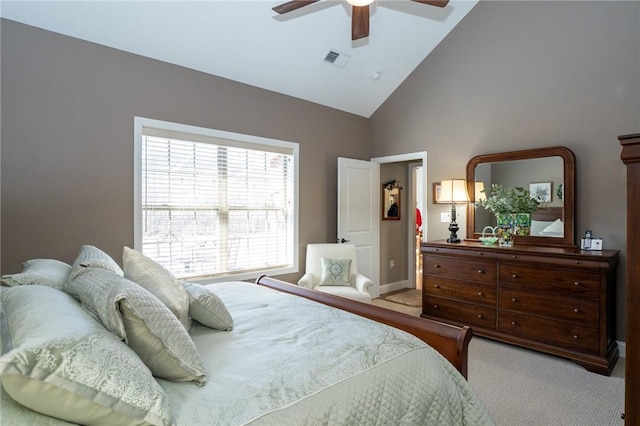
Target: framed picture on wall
x,y
541,191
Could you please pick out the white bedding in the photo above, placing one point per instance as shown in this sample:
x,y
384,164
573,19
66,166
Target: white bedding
x,y
291,361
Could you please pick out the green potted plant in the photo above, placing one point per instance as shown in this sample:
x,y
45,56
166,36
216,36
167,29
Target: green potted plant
x,y
512,208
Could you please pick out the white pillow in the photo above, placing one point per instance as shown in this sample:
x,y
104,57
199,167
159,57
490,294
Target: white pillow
x,y
47,272
66,365
159,281
147,325
556,228
207,308
93,257
335,271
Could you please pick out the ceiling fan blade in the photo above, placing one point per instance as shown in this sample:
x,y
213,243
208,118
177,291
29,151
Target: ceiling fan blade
x,y
292,5
438,3
359,22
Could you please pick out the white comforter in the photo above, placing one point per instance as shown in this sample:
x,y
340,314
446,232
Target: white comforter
x,y
292,361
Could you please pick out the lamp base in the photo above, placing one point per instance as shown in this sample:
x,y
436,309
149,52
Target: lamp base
x,y
453,233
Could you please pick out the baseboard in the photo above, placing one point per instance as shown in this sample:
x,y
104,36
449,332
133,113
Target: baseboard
x,y
398,285
622,348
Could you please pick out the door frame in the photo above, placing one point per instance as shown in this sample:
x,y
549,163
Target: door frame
x,y
415,157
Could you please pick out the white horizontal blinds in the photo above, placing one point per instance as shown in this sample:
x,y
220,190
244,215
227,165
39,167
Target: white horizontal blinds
x,y
214,207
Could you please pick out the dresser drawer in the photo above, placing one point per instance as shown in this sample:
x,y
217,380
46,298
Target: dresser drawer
x,y
480,251
462,290
562,262
462,269
583,311
563,334
459,312
563,281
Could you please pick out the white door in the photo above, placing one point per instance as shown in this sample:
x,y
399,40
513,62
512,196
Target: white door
x,y
358,214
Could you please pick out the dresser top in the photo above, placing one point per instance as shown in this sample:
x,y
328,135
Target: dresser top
x,y
526,249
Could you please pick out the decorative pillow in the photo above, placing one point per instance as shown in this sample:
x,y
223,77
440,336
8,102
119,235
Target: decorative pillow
x,y
207,308
47,272
66,365
160,282
147,325
93,257
335,271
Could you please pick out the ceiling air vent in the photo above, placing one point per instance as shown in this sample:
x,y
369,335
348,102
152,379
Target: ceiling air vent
x,y
339,59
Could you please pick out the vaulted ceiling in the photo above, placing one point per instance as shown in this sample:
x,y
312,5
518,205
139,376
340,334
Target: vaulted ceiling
x,y
247,41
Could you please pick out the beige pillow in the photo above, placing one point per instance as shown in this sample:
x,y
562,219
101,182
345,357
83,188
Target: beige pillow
x,y
147,325
335,271
93,257
47,272
159,281
66,365
207,308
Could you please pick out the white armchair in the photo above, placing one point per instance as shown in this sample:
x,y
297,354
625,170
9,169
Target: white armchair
x,y
357,285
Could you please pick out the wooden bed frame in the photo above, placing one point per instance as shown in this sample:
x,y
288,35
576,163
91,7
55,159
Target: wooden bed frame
x,y
451,341
631,158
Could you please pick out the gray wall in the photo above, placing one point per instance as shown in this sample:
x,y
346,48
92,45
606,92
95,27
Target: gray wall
x,y
67,140
518,75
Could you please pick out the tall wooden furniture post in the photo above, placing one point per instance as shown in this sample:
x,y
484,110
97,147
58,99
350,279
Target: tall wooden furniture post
x,y
631,157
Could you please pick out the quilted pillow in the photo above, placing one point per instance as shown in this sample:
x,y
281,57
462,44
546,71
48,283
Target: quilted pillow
x,y
207,308
146,324
66,365
93,257
335,271
159,281
47,272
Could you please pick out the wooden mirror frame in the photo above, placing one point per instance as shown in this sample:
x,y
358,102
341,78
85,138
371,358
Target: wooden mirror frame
x,y
568,239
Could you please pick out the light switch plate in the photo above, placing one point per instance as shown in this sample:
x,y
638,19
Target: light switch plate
x,y
445,217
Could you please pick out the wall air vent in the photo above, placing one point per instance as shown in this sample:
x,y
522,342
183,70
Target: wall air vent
x,y
336,58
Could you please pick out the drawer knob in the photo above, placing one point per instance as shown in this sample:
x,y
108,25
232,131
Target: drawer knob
x,y
513,299
480,271
436,286
577,262
514,323
479,293
576,310
435,306
436,266
480,316
514,257
514,276
576,283
480,253
576,337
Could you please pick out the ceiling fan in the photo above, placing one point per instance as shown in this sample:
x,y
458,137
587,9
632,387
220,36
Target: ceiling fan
x,y
359,12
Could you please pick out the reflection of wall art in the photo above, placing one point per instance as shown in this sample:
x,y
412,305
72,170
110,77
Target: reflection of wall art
x,y
391,200
436,193
541,191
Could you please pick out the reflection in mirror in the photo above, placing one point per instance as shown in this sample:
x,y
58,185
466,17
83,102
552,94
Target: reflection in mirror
x,y
390,202
547,172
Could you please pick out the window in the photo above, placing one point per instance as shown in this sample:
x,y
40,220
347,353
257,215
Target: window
x,y
212,204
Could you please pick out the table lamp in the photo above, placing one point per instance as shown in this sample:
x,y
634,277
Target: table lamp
x,y
453,191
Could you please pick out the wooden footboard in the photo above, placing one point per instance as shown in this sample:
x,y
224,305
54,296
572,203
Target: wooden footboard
x,y
451,341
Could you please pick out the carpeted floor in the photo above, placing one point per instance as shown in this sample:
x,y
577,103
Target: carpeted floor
x,y
527,388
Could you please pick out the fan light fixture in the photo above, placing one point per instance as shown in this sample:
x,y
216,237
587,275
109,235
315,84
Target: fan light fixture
x,y
453,191
359,2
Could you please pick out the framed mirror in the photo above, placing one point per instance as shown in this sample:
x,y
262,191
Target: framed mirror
x,y
548,172
390,202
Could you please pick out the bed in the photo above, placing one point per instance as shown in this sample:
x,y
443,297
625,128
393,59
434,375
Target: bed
x,y
292,356
547,222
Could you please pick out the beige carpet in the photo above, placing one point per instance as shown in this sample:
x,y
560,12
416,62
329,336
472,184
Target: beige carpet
x,y
411,297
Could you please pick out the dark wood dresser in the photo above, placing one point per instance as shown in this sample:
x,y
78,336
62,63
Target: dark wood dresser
x,y
555,300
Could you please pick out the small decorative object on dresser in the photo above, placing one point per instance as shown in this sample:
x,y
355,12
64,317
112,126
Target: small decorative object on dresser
x,y
558,300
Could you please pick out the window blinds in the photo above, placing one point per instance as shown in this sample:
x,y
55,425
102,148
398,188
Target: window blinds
x,y
216,207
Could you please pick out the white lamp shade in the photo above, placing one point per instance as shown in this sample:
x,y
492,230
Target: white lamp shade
x,y
479,194
454,191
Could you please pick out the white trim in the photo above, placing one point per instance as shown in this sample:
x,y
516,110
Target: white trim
x,y
398,285
622,348
140,122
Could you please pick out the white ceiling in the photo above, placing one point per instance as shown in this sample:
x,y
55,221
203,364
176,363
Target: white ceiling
x,y
247,42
